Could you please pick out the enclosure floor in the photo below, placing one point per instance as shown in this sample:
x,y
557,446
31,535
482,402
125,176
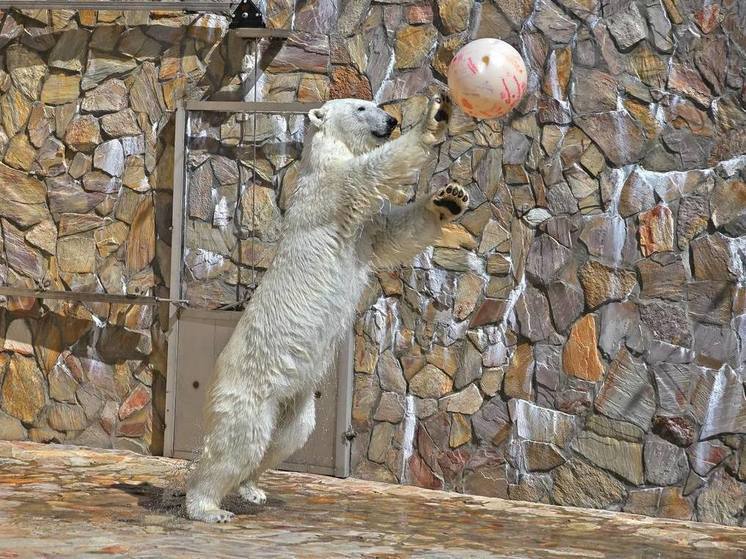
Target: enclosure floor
x,y
58,501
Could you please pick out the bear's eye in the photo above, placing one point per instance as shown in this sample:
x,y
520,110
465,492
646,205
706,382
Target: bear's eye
x,y
361,108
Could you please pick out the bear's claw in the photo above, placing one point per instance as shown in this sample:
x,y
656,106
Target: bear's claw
x,y
436,121
450,202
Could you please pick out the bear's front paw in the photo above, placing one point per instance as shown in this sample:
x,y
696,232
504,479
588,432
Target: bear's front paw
x,y
450,202
435,123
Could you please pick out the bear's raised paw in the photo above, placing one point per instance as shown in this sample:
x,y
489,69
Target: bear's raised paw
x,y
436,119
450,202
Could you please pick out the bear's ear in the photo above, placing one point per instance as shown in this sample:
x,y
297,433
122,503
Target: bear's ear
x,y
317,117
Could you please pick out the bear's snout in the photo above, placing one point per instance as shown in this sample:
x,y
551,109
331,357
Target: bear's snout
x,y
392,122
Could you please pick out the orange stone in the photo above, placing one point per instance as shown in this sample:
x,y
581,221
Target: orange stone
x,y
347,83
656,230
580,357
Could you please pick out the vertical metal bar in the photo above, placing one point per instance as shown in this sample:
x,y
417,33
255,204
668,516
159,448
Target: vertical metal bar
x,y
177,244
253,175
345,380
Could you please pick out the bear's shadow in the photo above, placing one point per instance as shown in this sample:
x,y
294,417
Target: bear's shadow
x,y
167,500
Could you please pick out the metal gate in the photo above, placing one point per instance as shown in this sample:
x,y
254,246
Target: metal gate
x,y
234,167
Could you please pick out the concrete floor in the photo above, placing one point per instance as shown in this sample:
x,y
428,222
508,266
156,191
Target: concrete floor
x,y
58,501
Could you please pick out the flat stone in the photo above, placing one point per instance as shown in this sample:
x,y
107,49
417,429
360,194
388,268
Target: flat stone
x,y
122,123
667,322
430,382
687,81
665,463
620,457
580,357
390,374
62,385
22,197
348,83
50,160
662,278
718,403
581,485
656,230
492,424
566,302
467,294
455,15
83,133
380,441
604,236
146,95
23,389
552,21
69,51
711,257
494,235
26,69
546,258
302,52
722,502
617,135
602,284
620,326
626,394
540,457
109,97
141,238
15,109
77,254
460,431
715,345
390,408
60,88
39,125
457,260
413,43
492,380
711,301
705,456
103,65
627,26
11,429
109,157
539,424
610,428
602,84
532,312
65,417
20,256
43,236
20,153
134,176
728,204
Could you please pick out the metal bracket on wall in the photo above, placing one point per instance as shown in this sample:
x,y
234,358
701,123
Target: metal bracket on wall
x,y
153,5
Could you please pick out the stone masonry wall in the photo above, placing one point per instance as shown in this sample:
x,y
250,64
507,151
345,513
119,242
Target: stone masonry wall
x,y
577,338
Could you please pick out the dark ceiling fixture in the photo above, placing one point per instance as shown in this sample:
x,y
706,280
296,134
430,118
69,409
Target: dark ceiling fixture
x,y
247,15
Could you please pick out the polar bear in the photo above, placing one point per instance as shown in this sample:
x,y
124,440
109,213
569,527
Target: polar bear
x,y
260,407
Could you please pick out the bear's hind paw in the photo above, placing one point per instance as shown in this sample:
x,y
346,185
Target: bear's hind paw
x,y
252,494
450,202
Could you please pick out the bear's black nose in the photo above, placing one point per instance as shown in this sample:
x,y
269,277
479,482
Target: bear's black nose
x,y
391,121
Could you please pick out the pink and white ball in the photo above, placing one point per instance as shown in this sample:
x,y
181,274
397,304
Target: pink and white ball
x,y
487,78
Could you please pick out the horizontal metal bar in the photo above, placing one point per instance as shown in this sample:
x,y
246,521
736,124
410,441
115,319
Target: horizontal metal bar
x,y
86,297
258,107
189,5
256,33
208,314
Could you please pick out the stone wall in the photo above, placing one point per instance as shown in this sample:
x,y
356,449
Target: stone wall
x,y
577,338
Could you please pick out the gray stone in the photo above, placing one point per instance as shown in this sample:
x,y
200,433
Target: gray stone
x,y
539,424
715,345
719,404
620,323
491,424
390,408
620,457
667,322
548,366
532,312
545,259
470,368
380,441
603,85
610,428
604,236
553,22
627,26
101,66
675,383
711,301
711,258
109,157
722,502
566,302
665,463
637,194
707,455
109,97
617,135
540,457
581,485
69,52
390,374
65,417
660,26
626,394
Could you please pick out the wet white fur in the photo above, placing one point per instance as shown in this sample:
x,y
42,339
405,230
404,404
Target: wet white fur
x,y
260,407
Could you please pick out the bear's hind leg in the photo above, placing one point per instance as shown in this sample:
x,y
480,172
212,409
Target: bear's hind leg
x,y
292,432
235,444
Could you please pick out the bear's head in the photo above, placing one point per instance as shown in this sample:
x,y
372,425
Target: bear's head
x,y
360,125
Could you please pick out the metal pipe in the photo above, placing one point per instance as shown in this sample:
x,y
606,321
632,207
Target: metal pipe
x,y
87,297
190,5
248,107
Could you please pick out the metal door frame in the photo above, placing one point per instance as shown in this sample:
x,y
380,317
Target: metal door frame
x,y
177,308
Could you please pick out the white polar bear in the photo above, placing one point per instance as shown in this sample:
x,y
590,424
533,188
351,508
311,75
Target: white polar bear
x,y
260,407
